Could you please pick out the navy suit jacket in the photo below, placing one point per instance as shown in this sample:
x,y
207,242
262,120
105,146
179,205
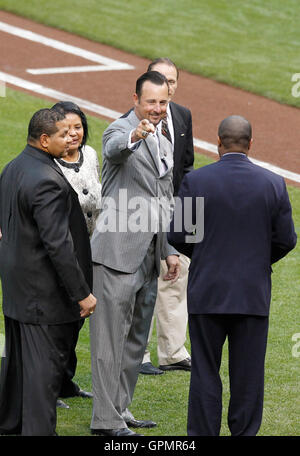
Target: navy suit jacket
x,y
247,226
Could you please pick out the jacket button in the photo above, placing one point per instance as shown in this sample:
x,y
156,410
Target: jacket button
x,y
85,191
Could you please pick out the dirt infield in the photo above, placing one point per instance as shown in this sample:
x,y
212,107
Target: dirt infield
x,y
275,126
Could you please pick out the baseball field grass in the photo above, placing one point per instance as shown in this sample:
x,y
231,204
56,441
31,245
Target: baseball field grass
x,y
252,44
164,398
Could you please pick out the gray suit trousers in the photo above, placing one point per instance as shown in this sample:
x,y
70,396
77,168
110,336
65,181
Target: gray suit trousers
x,y
119,329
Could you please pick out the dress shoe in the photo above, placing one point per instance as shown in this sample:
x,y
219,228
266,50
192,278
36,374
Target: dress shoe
x,y
132,422
84,394
61,404
123,432
149,369
185,364
140,423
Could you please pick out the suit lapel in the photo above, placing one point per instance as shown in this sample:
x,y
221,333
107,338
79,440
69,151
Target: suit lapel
x,y
44,157
166,150
179,130
40,155
151,144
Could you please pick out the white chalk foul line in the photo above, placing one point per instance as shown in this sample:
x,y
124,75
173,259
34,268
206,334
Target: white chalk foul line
x,y
109,113
110,64
106,64
75,69
282,172
56,95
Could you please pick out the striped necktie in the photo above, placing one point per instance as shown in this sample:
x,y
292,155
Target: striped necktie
x,y
165,130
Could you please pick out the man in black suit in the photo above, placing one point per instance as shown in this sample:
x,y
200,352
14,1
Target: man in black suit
x,y
171,306
248,226
46,273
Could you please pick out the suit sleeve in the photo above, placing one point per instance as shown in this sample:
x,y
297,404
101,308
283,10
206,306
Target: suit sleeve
x,y
51,206
284,237
178,235
115,144
98,170
189,152
167,248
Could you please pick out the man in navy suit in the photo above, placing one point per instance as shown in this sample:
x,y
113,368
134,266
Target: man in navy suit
x,y
248,226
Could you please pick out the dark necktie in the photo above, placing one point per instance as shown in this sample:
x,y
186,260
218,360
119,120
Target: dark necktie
x,y
165,130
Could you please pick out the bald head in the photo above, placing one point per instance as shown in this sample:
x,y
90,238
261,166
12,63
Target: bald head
x,y
235,133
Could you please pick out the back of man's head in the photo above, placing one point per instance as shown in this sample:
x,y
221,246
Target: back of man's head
x,y
43,122
235,132
153,76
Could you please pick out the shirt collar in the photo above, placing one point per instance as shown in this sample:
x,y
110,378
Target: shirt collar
x,y
234,153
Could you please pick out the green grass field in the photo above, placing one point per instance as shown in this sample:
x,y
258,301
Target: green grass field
x,y
164,398
250,44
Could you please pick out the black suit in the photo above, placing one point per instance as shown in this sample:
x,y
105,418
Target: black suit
x,y
45,268
248,226
183,143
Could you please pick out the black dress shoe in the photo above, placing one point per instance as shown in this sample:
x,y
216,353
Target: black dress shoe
x,y
84,394
61,404
132,422
185,364
123,432
149,369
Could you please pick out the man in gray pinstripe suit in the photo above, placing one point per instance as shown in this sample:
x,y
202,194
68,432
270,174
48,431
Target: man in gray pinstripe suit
x,y
127,245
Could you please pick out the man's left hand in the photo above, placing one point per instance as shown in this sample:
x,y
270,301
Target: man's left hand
x,y
173,268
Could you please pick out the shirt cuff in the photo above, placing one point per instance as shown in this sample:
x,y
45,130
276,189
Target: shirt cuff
x,y
133,145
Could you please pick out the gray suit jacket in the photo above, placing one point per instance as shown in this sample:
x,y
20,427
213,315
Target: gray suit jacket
x,y
135,199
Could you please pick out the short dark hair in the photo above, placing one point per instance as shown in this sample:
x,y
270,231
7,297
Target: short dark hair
x,y
165,60
43,122
67,107
235,131
153,76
